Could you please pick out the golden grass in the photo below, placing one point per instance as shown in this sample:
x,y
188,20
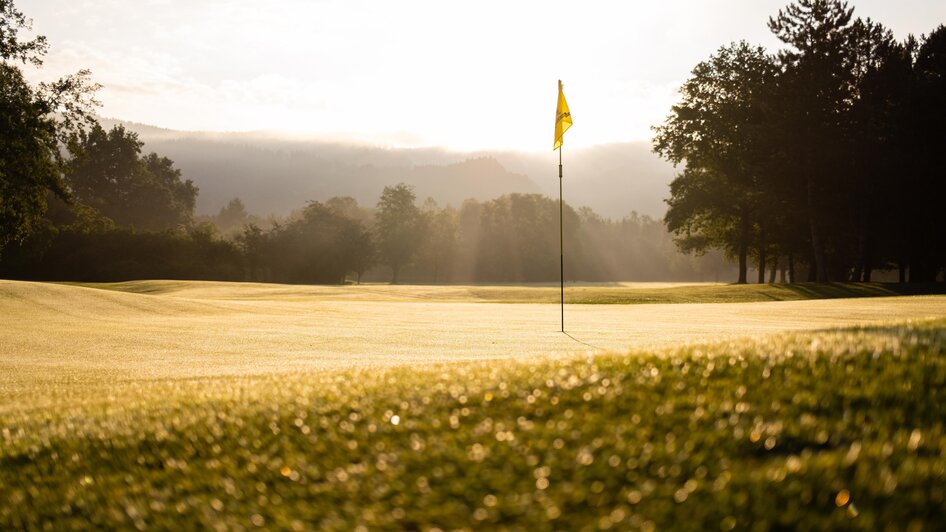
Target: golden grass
x,y
173,402
179,329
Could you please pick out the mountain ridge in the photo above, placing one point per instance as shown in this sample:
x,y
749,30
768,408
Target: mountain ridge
x,y
274,174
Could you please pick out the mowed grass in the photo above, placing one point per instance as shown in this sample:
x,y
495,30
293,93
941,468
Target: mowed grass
x,y
576,293
202,405
53,334
839,429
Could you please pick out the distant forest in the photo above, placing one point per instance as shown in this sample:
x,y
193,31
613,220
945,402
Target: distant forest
x,y
825,158
820,162
131,216
121,214
84,203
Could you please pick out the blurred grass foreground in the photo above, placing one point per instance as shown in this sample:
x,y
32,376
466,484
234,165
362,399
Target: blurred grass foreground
x,y
840,429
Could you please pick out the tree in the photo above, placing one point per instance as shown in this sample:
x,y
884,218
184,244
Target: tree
x,y
252,245
232,216
33,121
348,207
107,172
438,250
924,240
320,246
519,240
355,248
876,130
717,130
355,243
817,86
178,195
11,47
399,227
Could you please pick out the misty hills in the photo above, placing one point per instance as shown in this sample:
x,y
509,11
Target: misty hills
x,y
274,175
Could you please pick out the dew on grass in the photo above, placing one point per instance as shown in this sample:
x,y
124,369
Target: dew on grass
x,y
842,498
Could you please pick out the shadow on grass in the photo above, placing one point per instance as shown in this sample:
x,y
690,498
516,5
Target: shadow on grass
x,y
845,290
582,341
745,293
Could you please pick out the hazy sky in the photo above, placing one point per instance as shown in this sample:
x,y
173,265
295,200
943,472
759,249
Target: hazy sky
x,y
465,75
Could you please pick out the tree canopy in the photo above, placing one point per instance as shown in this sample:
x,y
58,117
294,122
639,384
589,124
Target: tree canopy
x,y
716,129
107,172
823,154
34,120
399,227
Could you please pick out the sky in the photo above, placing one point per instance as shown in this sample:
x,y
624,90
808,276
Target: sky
x,y
409,73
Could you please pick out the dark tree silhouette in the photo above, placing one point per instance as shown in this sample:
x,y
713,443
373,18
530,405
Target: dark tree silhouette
x,y
399,227
33,122
818,90
437,253
107,172
829,156
717,130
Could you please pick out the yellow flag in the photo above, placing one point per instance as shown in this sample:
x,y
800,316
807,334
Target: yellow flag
x,y
563,117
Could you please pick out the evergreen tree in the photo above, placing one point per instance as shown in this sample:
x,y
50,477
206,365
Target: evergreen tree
x,y
399,227
817,88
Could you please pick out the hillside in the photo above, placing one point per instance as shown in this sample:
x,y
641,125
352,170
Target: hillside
x,y
274,175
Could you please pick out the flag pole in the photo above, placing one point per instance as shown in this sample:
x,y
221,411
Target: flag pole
x,y
563,120
561,237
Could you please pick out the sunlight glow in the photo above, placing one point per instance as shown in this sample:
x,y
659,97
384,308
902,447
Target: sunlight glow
x,y
415,73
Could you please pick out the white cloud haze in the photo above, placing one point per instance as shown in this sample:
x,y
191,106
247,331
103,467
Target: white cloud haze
x,y
472,75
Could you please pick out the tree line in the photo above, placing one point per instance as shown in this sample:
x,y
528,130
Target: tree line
x,y
824,158
513,238
82,203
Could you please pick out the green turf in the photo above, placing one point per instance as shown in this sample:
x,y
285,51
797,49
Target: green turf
x,y
831,430
585,293
705,293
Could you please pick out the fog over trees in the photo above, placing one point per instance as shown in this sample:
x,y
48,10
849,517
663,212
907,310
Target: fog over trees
x,y
820,161
270,173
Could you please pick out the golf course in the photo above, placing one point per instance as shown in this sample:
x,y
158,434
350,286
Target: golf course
x,y
333,266
242,405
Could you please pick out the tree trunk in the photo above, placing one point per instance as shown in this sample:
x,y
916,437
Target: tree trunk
x,y
761,256
860,260
743,249
819,265
915,271
791,267
395,268
867,271
858,269
903,271
774,269
743,266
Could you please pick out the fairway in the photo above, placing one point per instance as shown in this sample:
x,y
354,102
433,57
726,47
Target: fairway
x,y
175,329
196,405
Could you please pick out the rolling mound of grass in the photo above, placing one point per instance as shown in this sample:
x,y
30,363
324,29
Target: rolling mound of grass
x,y
590,293
704,293
835,429
59,339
